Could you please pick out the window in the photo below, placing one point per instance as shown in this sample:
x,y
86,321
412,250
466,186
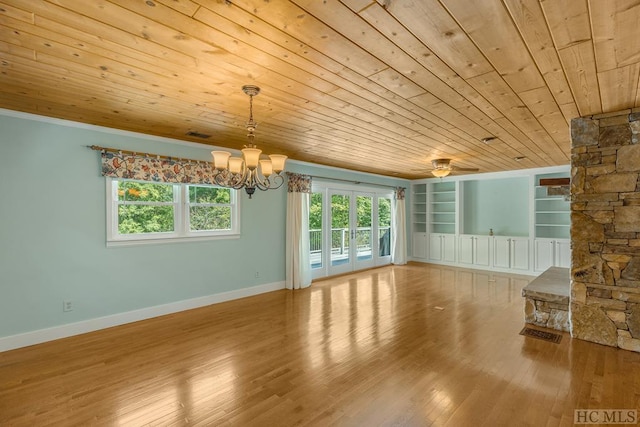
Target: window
x,y
150,211
209,208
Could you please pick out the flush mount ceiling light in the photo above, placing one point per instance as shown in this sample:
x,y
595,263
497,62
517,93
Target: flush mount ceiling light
x,y
249,171
443,167
440,173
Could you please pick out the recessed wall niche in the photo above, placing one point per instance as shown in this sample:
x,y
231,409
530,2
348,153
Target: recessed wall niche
x,y
501,205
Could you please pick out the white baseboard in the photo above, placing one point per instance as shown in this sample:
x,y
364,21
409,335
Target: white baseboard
x,y
49,334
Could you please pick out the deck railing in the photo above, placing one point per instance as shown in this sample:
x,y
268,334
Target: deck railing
x,y
340,242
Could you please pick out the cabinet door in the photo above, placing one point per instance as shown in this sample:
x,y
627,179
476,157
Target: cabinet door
x,y
435,247
466,250
502,252
419,245
481,250
563,253
449,247
520,254
543,254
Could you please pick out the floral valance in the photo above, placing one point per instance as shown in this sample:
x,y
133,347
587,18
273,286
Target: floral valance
x,y
400,193
158,169
298,183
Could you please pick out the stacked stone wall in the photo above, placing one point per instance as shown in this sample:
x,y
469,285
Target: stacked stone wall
x,y
552,314
605,229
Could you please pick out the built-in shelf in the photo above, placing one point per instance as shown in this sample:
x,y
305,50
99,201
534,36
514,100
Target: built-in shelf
x,y
419,207
442,207
507,224
552,213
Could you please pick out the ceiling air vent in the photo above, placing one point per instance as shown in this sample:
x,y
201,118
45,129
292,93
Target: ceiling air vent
x,y
198,134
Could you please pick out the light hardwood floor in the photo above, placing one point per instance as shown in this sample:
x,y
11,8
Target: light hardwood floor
x,y
411,345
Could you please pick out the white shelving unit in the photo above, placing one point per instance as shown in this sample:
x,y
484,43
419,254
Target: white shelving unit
x,y
442,228
442,207
552,247
419,208
552,215
438,219
419,221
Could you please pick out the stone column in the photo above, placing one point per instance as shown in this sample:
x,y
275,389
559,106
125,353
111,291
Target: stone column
x,y
605,229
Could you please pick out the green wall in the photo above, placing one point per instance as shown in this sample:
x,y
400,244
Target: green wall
x,y
53,238
501,204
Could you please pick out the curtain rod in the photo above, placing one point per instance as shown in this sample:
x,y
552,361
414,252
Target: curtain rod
x,y
351,181
137,153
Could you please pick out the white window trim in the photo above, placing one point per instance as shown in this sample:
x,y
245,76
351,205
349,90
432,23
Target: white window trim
x,y
181,221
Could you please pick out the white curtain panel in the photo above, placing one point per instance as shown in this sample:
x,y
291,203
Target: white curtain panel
x,y
298,266
398,241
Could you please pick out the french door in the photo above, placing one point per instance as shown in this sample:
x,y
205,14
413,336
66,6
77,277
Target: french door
x,y
349,230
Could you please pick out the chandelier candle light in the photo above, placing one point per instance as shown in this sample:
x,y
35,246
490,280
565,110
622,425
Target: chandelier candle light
x,y
249,171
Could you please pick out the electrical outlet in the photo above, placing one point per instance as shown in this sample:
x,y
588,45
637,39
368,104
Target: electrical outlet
x,y
67,305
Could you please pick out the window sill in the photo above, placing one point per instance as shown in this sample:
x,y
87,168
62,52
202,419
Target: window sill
x,y
162,241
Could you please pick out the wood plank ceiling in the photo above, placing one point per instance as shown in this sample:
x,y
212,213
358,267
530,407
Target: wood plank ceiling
x,y
378,86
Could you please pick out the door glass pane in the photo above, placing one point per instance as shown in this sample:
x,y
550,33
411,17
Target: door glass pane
x,y
384,226
364,231
340,231
315,230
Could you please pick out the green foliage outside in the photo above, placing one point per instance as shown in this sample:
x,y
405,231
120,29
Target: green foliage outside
x,y
134,218
151,208
210,217
340,211
384,212
315,211
340,218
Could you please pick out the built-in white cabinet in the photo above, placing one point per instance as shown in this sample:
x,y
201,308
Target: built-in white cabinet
x,y
442,205
502,252
442,248
551,253
433,221
511,252
475,250
419,245
552,247
503,221
563,253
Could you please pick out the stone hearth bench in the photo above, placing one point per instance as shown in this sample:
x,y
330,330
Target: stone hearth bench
x,y
547,299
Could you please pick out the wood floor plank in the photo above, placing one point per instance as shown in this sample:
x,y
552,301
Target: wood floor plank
x,y
406,345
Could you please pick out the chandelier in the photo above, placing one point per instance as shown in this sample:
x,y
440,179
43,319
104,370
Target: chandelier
x,y
249,171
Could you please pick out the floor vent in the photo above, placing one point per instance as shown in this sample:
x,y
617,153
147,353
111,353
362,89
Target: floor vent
x,y
542,335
